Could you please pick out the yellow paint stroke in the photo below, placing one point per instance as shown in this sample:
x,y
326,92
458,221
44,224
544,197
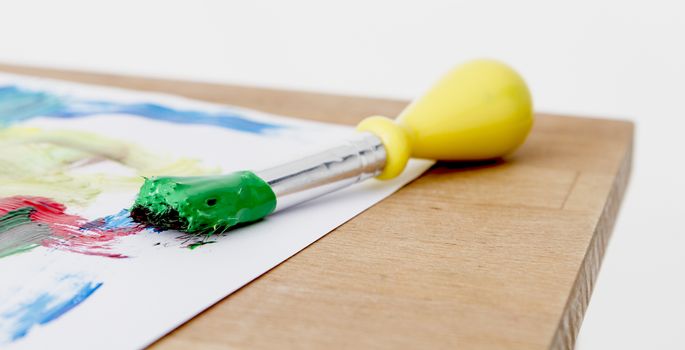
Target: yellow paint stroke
x,y
46,163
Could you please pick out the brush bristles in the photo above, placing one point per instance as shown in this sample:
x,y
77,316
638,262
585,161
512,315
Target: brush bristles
x,y
167,220
170,219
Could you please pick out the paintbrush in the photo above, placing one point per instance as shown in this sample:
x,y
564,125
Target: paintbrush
x,y
480,110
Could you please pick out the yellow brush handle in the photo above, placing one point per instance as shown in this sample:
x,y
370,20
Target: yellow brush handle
x,y
479,110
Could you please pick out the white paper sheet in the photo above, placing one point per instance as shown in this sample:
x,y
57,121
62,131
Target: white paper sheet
x,y
132,289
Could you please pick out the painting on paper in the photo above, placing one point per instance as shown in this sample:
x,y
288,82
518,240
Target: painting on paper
x,y
72,158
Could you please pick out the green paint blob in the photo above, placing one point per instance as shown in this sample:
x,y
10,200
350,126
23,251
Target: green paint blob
x,y
203,204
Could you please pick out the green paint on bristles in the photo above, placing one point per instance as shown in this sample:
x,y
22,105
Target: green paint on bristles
x,y
203,204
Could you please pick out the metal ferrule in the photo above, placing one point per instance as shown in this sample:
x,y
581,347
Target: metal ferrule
x,y
357,159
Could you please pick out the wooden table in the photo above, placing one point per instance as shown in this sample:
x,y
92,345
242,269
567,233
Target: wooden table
x,y
490,255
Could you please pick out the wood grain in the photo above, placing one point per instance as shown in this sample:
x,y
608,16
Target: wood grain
x,y
470,256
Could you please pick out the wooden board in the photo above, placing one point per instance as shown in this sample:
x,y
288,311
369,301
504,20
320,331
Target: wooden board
x,y
469,256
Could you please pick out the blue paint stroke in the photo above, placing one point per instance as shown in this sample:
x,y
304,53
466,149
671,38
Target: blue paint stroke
x,y
19,104
120,220
44,308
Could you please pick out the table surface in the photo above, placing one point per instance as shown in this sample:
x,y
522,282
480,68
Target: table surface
x,y
478,255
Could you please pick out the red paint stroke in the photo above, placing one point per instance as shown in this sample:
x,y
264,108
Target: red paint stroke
x,y
70,232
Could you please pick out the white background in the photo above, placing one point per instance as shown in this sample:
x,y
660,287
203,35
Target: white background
x,y
616,59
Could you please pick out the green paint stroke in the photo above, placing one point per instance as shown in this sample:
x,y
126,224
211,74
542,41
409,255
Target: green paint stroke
x,y
18,233
203,204
50,163
15,218
199,244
